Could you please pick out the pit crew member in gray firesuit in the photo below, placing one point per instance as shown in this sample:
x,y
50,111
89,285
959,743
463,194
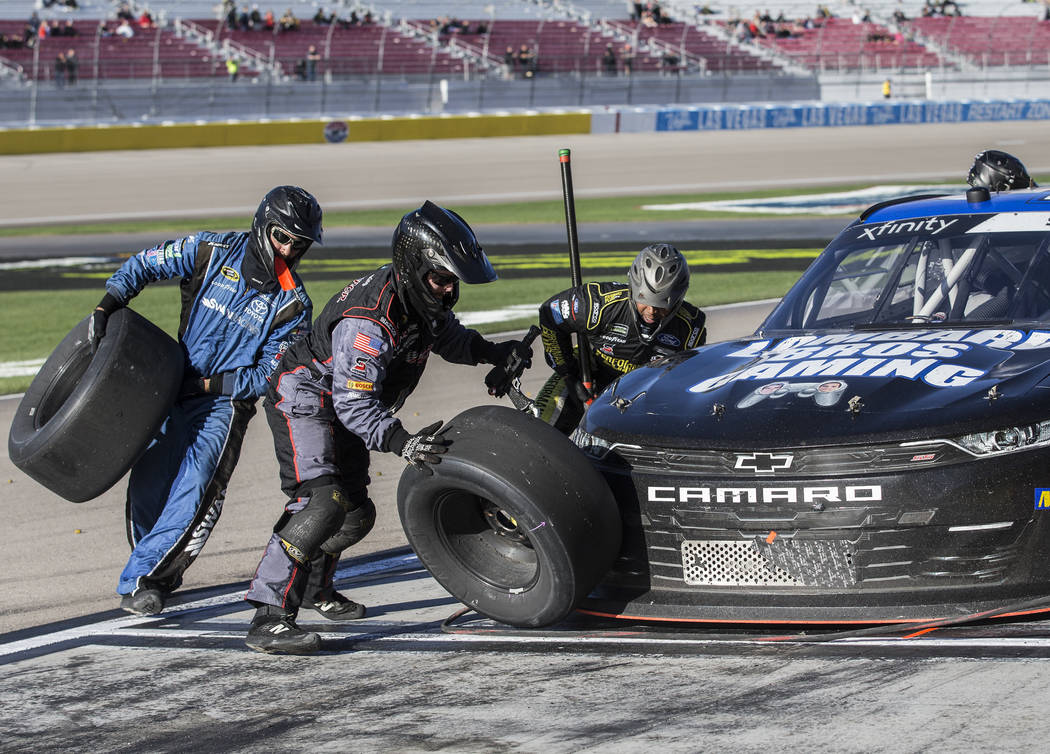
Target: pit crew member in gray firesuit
x,y
627,326
333,399
999,171
242,305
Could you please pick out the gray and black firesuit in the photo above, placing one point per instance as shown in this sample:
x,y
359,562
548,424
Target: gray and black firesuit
x,y
331,401
619,342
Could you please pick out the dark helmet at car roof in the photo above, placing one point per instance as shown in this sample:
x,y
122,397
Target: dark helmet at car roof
x,y
999,171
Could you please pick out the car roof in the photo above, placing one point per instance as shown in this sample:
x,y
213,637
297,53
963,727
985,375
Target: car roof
x,y
1037,200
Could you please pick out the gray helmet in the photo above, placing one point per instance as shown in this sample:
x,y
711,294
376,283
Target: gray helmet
x,y
659,277
999,171
435,238
293,209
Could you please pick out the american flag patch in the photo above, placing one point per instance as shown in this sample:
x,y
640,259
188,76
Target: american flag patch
x,y
364,343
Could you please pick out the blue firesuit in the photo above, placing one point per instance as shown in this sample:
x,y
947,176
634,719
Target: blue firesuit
x,y
237,320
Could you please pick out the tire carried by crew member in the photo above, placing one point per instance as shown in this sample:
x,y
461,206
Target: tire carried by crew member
x,y
87,417
514,521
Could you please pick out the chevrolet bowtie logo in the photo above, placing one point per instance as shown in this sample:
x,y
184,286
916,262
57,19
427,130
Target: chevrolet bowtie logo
x,y
763,463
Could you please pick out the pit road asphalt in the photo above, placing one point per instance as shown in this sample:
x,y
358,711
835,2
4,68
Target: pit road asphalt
x,y
81,676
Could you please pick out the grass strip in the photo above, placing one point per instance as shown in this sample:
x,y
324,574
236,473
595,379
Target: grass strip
x,y
42,323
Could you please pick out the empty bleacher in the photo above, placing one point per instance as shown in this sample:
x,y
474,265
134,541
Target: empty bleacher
x,y
1000,41
843,44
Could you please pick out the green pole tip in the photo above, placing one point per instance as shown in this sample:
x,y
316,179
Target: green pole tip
x,y
563,152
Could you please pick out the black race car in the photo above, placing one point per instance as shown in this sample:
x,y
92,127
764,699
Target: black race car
x,y
879,451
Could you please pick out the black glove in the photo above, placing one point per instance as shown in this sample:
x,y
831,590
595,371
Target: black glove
x,y
515,359
497,353
423,448
578,390
192,386
99,318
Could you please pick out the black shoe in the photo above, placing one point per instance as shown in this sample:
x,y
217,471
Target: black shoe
x,y
147,601
337,608
275,632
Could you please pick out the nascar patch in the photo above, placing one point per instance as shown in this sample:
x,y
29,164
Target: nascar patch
x,y
230,274
556,313
359,386
366,344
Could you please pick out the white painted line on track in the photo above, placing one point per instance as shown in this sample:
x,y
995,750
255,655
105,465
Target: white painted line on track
x,y
20,368
127,625
29,264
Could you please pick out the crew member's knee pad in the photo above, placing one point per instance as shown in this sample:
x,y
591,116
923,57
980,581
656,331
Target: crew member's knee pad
x,y
356,525
303,531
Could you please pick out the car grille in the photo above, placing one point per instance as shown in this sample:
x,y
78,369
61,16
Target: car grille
x,y
782,562
803,462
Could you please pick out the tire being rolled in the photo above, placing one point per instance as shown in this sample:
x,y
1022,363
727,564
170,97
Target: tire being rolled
x,y
86,418
514,521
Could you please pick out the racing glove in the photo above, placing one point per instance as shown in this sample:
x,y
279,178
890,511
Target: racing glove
x,y
514,358
212,384
501,353
578,390
421,449
99,318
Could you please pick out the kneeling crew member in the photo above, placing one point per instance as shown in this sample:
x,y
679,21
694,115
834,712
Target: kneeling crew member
x,y
333,399
627,327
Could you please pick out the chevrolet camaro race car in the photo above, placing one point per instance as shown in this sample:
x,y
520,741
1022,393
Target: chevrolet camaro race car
x,y
877,452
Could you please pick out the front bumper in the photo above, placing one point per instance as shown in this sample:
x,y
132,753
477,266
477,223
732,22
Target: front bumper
x,y
939,539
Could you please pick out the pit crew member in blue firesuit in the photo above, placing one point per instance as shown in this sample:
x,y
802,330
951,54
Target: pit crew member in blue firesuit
x,y
333,399
242,306
627,326
999,171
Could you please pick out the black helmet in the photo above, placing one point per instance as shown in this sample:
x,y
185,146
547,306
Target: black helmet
x,y
434,238
294,210
999,171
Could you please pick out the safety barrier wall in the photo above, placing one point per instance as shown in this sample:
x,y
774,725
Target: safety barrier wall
x,y
96,138
600,120
809,115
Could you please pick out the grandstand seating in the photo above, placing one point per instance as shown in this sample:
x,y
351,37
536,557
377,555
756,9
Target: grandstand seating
x,y
1006,40
559,45
149,54
1008,33
717,53
840,44
354,50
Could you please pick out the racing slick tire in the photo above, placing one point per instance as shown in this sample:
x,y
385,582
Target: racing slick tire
x,y
86,418
514,521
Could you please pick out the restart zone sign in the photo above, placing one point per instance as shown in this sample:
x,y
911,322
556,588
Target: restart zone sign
x,y
736,117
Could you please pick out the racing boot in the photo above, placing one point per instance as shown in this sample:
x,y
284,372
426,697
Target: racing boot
x,y
145,600
274,631
322,596
337,607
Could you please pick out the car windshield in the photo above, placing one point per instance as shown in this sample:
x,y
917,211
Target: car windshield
x,y
967,269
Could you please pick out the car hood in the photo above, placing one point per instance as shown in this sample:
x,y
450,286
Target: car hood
x,y
836,386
